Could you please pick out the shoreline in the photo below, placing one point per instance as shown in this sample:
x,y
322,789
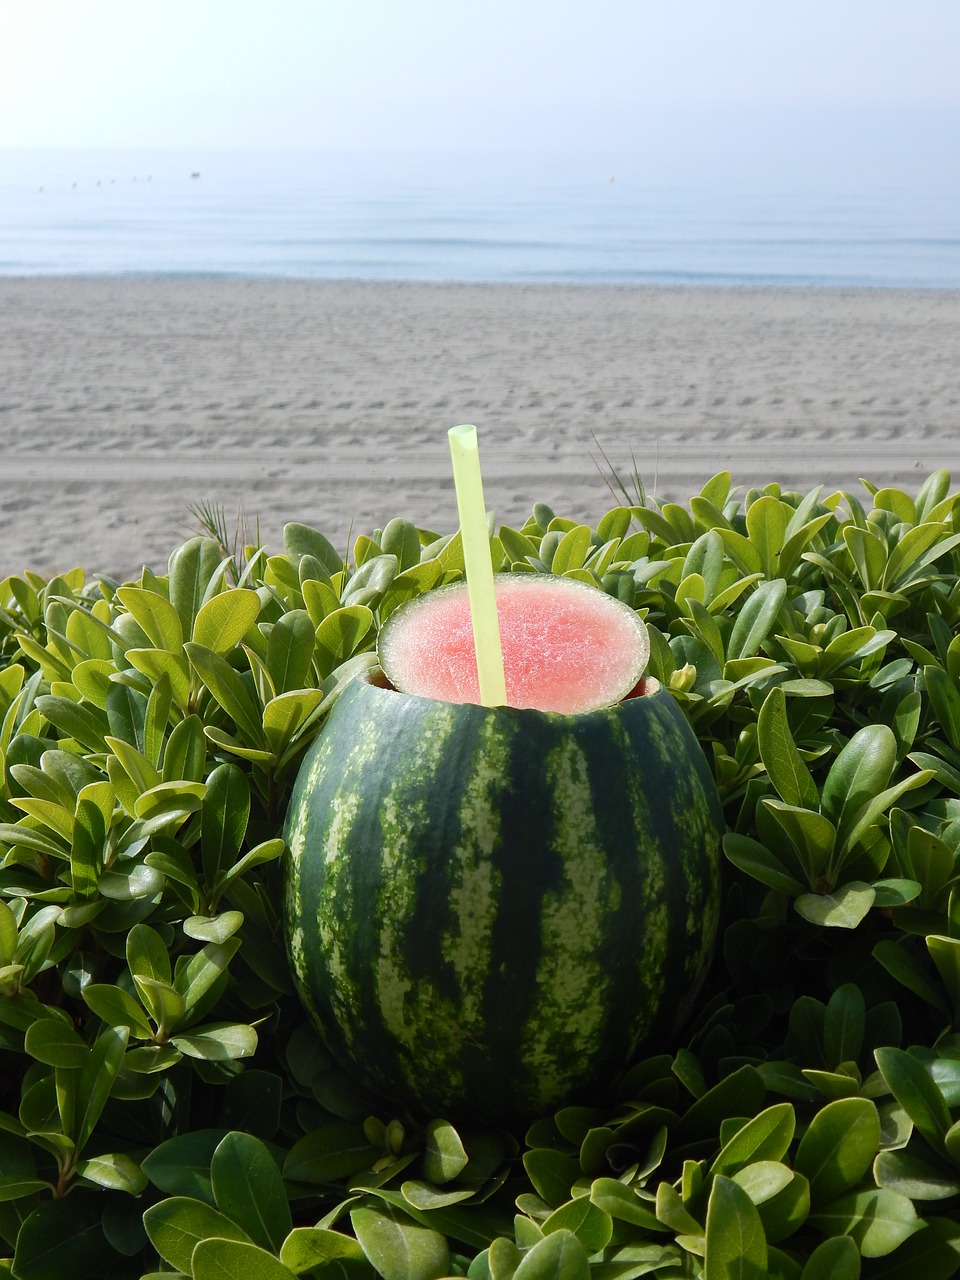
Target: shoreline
x,y
126,400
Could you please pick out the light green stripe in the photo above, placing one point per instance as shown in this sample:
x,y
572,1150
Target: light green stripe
x,y
475,883
570,1010
414,1013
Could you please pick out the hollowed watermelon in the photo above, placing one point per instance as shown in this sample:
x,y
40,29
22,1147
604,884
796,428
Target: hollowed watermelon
x,y
566,646
489,909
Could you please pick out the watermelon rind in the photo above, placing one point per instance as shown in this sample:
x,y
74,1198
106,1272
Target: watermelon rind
x,y
489,909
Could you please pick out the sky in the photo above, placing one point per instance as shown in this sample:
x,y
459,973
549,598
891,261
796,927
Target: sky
x,y
470,74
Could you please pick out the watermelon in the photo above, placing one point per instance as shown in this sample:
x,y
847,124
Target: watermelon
x,y
566,646
490,910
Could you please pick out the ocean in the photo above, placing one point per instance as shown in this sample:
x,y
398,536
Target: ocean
x,y
574,219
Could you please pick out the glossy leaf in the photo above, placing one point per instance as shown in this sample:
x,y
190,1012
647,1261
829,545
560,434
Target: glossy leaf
x,y
225,619
583,1219
838,1147
290,650
843,909
878,1221
835,1259
765,1137
736,1248
178,1224
60,1238
559,1256
756,619
912,1086
234,1260
248,1188
785,766
399,1248
444,1157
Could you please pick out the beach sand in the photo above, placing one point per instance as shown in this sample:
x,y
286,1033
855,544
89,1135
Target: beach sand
x,y
125,402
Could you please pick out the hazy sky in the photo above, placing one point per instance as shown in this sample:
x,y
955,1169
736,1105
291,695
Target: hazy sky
x,y
475,74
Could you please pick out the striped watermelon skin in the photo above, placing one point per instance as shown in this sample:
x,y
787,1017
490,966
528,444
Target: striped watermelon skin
x,y
488,909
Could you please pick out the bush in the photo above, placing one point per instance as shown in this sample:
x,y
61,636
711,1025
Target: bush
x,y
166,1109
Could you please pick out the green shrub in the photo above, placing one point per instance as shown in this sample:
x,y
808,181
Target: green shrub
x,y
166,1109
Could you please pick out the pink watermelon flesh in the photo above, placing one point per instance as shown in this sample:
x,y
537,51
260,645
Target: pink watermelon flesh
x,y
567,646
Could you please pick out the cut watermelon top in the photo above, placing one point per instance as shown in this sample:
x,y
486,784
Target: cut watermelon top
x,y
567,646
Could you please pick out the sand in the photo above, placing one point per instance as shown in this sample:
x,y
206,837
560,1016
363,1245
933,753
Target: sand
x,y
125,402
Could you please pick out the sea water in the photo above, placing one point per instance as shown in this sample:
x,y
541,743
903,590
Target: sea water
x,y
555,218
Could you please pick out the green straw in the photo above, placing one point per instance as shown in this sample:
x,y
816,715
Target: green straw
x,y
479,567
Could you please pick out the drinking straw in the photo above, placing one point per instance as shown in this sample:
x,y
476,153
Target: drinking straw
x,y
479,567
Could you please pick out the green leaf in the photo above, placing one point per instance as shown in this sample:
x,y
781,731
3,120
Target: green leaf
x,y
340,634
138,881
767,525
736,1248
181,1165
233,1260
300,540
399,1248
552,1174
838,1147
156,617
859,773
116,1172
917,548
290,651
758,861
573,550
756,619
583,1219
623,1203
196,976
903,965
61,1238
844,1024
400,539
916,1174
225,619
740,1093
835,1259
286,715
306,1249
845,908
784,765
811,834
869,555
764,1180
329,1153
248,1188
191,569
766,1137
213,928
425,1195
56,1043
147,955
912,1086
160,664
946,956
218,1042
184,756
97,1078
177,1225
161,1000
228,688
559,1256
933,1253
444,1157
878,1221
224,815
